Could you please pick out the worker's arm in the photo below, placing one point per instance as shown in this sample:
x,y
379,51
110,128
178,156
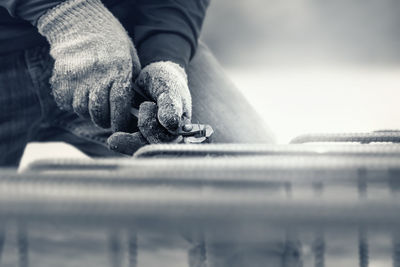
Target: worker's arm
x,y
166,35
29,10
94,58
168,30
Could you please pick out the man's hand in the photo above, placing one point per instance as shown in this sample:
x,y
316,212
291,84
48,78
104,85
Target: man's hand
x,y
159,121
95,62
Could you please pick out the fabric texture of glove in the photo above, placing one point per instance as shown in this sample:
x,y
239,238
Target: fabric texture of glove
x,y
95,62
166,83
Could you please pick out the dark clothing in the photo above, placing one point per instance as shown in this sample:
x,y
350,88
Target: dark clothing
x,y
28,111
161,29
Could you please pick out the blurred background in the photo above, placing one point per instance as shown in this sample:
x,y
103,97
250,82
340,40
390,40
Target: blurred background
x,y
309,65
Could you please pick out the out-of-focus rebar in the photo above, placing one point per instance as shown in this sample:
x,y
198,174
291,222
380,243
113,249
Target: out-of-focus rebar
x,y
115,249
363,250
389,136
396,249
238,150
132,248
239,194
22,242
319,250
2,240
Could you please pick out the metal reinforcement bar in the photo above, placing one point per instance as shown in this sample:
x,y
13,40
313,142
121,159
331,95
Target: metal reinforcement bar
x,y
225,171
237,192
218,150
210,192
182,206
390,136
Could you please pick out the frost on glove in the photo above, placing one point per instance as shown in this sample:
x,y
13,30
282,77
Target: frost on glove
x,y
95,62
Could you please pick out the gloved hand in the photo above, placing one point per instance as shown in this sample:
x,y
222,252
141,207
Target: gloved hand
x,y
95,62
166,83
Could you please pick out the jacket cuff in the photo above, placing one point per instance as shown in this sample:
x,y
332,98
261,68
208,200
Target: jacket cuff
x,y
31,10
165,47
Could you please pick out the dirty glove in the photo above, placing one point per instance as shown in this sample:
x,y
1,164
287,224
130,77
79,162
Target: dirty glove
x,y
95,62
159,121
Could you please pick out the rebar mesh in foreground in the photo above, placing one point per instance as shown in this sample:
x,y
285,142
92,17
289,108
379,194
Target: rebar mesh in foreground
x,y
303,189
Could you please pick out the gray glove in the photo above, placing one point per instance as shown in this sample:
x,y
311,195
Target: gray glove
x,y
166,83
95,62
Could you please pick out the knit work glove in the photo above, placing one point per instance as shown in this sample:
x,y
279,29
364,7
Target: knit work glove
x,y
159,121
95,62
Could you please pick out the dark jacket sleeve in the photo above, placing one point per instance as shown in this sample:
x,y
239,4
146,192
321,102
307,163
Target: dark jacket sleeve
x,y
168,29
29,10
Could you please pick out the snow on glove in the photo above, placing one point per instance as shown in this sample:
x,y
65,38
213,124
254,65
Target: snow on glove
x,y
166,83
95,62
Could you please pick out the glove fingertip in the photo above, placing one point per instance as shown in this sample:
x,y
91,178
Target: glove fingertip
x,y
171,122
169,113
126,143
